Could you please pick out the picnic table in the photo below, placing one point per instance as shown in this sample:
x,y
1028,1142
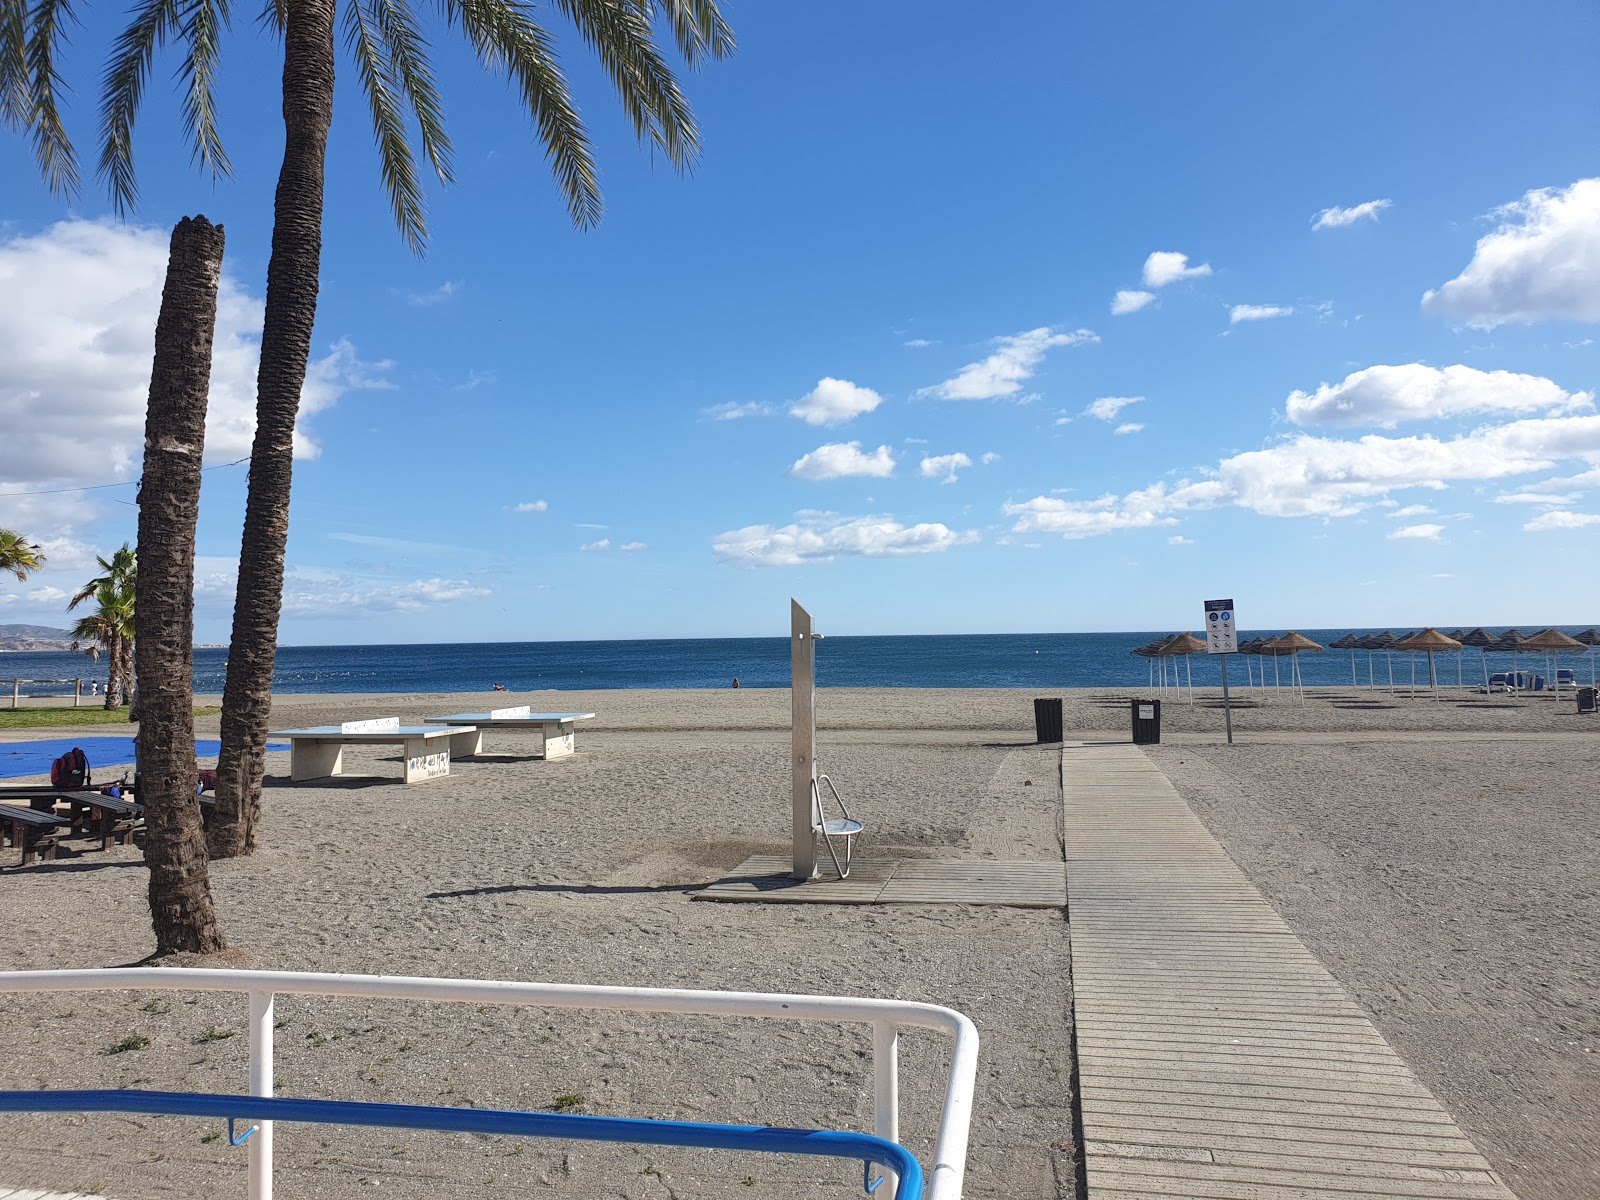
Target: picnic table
x,y
318,752
556,730
33,831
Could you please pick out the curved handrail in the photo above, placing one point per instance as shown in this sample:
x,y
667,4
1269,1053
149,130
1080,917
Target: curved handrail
x,y
821,1143
944,1177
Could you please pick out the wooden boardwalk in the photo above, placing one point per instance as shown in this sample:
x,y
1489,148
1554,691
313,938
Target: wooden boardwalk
x,y
1217,1057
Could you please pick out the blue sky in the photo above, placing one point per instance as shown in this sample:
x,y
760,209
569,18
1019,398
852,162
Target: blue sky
x,y
1046,317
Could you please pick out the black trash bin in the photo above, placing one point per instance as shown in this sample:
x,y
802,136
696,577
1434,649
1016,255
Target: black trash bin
x,y
1047,720
1146,722
1586,700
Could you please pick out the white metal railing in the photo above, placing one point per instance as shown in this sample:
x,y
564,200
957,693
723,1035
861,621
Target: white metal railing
x,y
886,1017
17,692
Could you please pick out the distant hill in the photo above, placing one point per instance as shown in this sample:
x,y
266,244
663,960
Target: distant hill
x,y
34,637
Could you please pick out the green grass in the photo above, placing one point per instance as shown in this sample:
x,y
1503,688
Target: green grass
x,y
53,718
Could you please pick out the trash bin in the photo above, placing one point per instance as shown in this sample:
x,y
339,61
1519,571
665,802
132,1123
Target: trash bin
x,y
1146,722
1047,720
1586,699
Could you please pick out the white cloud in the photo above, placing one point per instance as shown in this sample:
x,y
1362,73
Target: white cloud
x,y
838,460
78,305
1076,519
593,547
1425,533
1560,519
1387,395
317,592
1411,510
532,506
1167,266
1107,407
1542,263
46,595
943,467
1011,365
1257,312
835,401
439,294
734,412
1552,499
1127,428
1128,301
822,537
989,456
1178,539
917,343
1338,218
632,547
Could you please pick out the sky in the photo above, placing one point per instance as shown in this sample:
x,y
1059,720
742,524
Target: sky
x,y
1025,318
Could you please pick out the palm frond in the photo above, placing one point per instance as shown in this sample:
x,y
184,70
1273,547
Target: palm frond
x,y
408,56
505,36
121,90
698,28
52,149
622,37
202,34
395,160
16,105
274,16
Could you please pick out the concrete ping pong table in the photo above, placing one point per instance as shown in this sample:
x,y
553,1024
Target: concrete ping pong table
x,y
555,729
318,753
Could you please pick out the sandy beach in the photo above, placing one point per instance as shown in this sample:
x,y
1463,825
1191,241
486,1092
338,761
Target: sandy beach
x,y
1441,858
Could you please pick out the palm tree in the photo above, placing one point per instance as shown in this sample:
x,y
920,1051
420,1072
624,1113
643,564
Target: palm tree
x,y
111,625
390,53
18,556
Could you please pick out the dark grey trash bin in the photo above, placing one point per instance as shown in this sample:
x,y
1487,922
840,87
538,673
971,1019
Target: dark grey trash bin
x,y
1047,720
1146,722
1586,700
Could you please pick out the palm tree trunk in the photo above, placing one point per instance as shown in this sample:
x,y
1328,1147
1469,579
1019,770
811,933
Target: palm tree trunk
x,y
113,670
181,911
292,283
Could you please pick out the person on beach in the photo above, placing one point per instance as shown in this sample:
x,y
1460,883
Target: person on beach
x,y
499,687
736,682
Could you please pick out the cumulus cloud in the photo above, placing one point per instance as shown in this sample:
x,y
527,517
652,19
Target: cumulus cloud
x,y
319,592
732,411
818,537
1167,266
917,343
1423,533
838,460
1107,407
532,506
439,295
46,595
835,401
78,305
1307,476
1013,363
1542,263
632,547
1127,428
1561,519
1411,510
595,547
1386,395
1129,301
1257,312
1338,218
943,467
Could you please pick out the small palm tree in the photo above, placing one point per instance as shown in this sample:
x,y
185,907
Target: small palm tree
x,y
110,627
18,556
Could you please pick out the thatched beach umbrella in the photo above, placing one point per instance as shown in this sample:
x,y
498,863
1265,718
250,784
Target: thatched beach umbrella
x,y
1480,638
1351,642
1509,642
1148,652
1430,640
1591,639
1554,642
1182,645
1291,644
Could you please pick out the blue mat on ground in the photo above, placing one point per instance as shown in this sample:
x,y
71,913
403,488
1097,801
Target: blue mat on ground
x,y
18,760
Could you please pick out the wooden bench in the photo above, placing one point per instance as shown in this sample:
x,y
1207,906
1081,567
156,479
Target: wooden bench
x,y
556,730
318,753
115,819
33,832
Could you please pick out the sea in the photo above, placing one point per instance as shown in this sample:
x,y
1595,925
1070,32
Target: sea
x,y
1002,660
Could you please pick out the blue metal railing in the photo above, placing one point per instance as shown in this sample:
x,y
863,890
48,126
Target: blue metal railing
x,y
865,1148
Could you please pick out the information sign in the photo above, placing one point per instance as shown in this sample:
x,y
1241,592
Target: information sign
x,y
1221,632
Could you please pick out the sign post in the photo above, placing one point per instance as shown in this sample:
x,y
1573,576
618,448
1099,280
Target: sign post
x,y
1222,637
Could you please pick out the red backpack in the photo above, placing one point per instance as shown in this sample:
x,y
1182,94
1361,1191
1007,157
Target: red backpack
x,y
71,771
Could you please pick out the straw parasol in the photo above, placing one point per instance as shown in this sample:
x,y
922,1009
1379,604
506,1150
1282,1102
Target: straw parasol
x,y
1554,642
1591,639
1351,642
1381,641
1182,645
1291,644
1430,640
1509,642
1480,638
1149,652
